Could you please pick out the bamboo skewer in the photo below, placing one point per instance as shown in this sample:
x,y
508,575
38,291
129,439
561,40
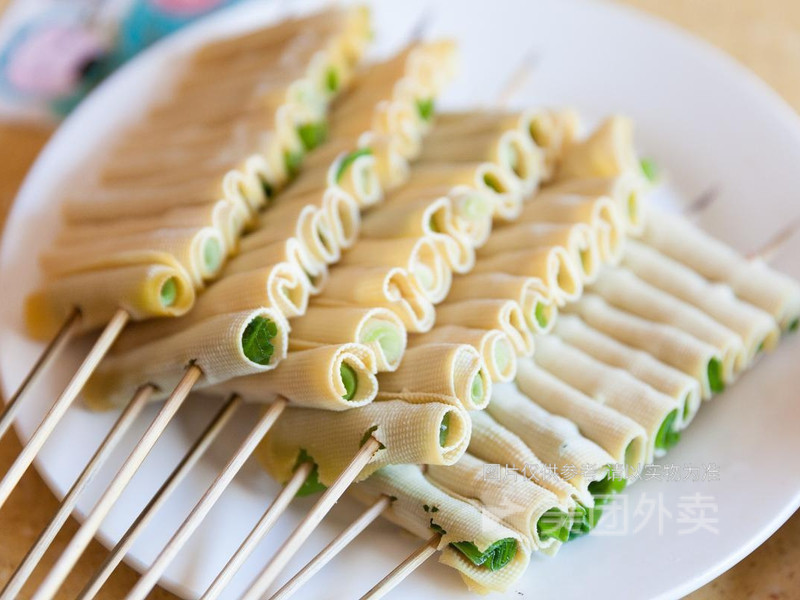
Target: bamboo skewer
x,y
264,525
34,555
67,397
86,532
149,580
191,458
327,554
404,569
53,349
295,541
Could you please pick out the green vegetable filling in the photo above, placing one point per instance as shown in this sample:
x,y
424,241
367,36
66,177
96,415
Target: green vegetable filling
x,y
649,169
312,484
633,207
349,160
267,188
477,389
212,255
553,524
312,134
389,339
350,381
257,340
715,381
502,356
667,436
332,80
794,325
293,160
493,183
444,429
168,292
687,409
584,518
541,315
494,558
425,108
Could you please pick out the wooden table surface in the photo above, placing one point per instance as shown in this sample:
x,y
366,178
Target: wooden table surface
x,y
762,34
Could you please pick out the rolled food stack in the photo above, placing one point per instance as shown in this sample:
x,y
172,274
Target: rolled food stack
x,y
283,260
150,222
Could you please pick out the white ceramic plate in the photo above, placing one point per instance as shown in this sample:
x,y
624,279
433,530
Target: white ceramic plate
x,y
707,122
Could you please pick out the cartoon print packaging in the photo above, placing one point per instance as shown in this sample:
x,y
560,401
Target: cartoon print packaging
x,y
53,52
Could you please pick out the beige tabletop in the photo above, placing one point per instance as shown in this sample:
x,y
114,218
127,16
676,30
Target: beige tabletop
x,y
762,34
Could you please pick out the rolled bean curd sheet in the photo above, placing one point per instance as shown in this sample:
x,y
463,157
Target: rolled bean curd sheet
x,y
578,239
290,251
419,256
628,191
555,440
494,345
666,343
617,434
146,286
335,377
224,346
598,212
201,252
751,280
483,176
514,152
488,555
684,389
607,152
380,329
496,445
505,315
220,214
758,329
515,501
399,218
430,433
448,373
306,222
388,287
657,413
552,265
624,290
529,292
279,286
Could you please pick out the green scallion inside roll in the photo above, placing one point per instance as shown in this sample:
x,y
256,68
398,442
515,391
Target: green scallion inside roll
x,y
477,390
332,80
350,381
349,160
168,292
715,381
312,484
494,558
212,255
444,429
292,160
667,435
425,108
257,340
312,134
553,524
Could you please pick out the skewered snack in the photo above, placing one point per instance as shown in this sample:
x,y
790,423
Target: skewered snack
x,y
157,170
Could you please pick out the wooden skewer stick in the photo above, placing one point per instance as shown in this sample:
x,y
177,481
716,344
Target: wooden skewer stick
x,y
404,569
67,397
149,580
186,464
295,541
53,349
264,525
327,554
34,555
518,78
87,530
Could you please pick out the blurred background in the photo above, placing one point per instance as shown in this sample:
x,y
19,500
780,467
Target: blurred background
x,y
52,52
